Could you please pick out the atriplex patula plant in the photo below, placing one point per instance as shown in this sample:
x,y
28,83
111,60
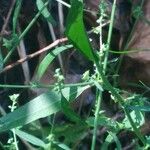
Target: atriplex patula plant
x,y
59,95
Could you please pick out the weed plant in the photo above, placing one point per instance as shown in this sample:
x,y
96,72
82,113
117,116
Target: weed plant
x,y
23,122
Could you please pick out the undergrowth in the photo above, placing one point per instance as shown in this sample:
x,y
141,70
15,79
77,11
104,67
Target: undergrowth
x,y
97,129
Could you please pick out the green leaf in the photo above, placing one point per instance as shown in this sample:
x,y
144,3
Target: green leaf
x,y
148,140
48,59
30,138
46,14
109,139
105,121
138,118
9,43
140,108
71,132
68,111
61,146
42,106
75,30
118,144
75,92
16,14
97,84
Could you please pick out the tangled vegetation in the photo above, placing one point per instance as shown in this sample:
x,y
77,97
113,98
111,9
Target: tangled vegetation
x,y
69,94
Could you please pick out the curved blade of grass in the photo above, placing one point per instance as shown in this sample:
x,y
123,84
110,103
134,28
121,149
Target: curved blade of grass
x,y
75,30
42,106
46,14
48,59
30,138
36,141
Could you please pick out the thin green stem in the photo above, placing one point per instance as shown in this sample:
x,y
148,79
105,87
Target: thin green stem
x,y
15,139
120,100
99,93
98,104
45,86
51,131
13,107
109,35
25,32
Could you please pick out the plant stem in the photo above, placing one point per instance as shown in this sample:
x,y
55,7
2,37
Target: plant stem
x,y
109,35
45,86
25,32
13,107
15,139
52,128
120,100
99,93
101,69
99,97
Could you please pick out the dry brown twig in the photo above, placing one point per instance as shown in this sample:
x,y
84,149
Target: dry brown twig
x,y
20,61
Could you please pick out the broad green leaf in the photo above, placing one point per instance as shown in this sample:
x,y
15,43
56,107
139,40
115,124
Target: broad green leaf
x,y
75,30
30,138
44,105
48,59
46,14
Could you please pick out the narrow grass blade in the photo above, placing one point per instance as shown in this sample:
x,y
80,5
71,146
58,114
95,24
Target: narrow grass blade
x,y
30,138
46,14
48,59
